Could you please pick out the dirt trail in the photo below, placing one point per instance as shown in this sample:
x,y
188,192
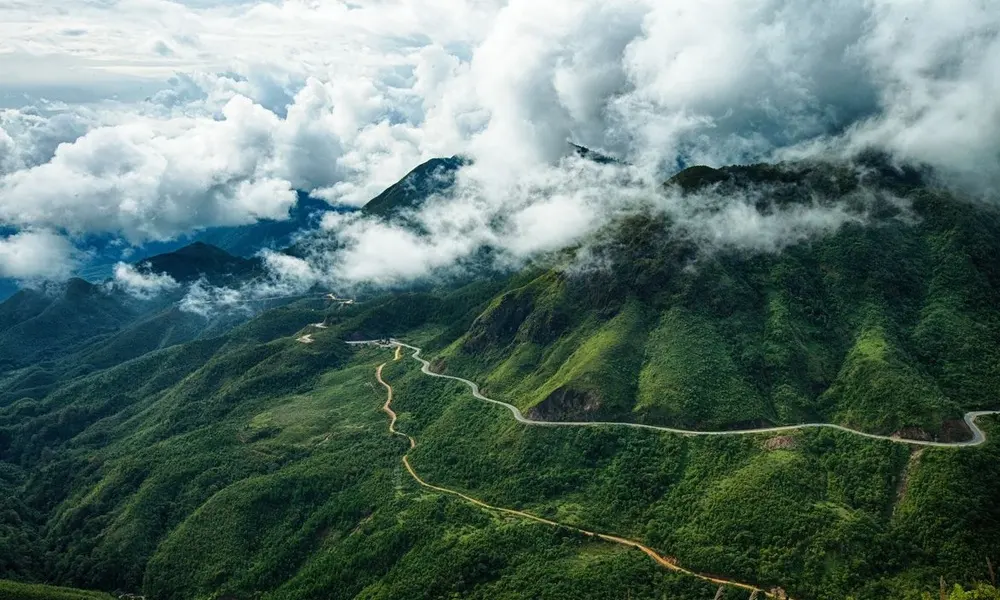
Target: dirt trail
x,y
978,437
653,554
308,338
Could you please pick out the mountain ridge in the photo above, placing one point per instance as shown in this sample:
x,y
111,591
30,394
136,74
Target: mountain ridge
x,y
229,459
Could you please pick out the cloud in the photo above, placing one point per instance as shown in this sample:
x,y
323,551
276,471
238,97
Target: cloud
x,y
547,210
29,137
214,112
542,210
139,284
288,278
295,274
154,180
935,65
746,221
705,81
36,254
206,300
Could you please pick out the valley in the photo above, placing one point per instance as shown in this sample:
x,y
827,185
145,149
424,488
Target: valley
x,y
682,419
499,300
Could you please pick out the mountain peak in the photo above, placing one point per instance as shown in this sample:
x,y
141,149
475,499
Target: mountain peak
x,y
199,260
201,249
593,155
432,177
697,177
77,288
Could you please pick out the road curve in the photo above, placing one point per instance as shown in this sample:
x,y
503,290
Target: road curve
x,y
978,437
653,554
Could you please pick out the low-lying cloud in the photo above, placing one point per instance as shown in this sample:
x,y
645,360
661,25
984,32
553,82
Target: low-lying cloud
x,y
140,284
483,223
207,301
235,105
288,279
749,221
542,210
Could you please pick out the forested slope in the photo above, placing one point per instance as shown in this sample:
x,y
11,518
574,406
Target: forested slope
x,y
889,324
179,457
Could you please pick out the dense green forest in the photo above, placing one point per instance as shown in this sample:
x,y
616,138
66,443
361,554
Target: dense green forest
x,y
150,451
822,514
889,324
268,469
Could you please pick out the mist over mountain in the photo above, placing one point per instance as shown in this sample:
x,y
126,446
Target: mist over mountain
x,y
95,257
436,299
783,79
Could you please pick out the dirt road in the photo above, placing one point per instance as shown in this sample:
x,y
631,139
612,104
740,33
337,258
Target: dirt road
x,y
653,554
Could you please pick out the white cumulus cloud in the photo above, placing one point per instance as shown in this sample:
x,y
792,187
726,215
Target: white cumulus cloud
x,y
36,254
209,113
142,285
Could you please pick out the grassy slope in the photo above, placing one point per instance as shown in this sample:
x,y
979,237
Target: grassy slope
x,y
824,518
882,327
266,467
11,590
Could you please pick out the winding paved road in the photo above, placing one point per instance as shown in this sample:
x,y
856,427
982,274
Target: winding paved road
x,y
978,437
656,556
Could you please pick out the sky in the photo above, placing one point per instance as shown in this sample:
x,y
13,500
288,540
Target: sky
x,y
151,119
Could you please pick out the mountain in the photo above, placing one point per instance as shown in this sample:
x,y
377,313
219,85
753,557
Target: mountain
x,y
254,459
888,325
202,261
41,325
71,329
243,241
435,176
593,155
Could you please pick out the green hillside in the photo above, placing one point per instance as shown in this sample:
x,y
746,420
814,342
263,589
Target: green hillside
x,y
180,459
254,463
11,590
887,325
251,463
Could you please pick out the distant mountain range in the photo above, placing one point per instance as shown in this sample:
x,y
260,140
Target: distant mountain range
x,y
82,324
436,176
77,326
243,241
